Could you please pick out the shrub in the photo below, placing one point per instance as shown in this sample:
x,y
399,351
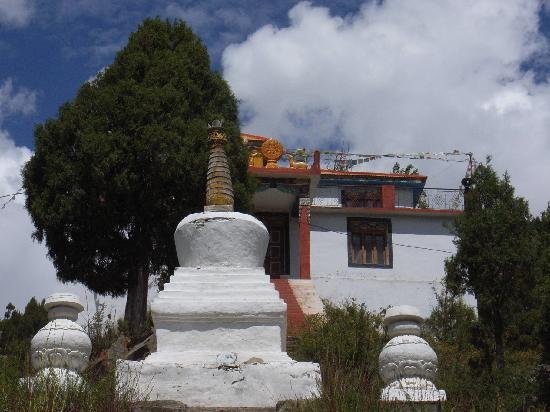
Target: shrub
x,y
346,342
99,390
102,330
95,393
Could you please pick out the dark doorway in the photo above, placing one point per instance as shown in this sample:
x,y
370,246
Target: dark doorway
x,y
276,261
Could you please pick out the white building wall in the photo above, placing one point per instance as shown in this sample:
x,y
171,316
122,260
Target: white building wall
x,y
410,281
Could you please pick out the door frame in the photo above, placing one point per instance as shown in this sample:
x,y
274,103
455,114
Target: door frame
x,y
264,217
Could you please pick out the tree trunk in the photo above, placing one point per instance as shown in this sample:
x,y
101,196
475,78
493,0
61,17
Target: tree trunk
x,y
135,313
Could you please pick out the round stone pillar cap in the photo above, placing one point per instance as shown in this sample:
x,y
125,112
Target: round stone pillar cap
x,y
403,320
63,306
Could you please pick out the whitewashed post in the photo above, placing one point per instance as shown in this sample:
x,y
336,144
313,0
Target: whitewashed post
x,y
408,365
61,348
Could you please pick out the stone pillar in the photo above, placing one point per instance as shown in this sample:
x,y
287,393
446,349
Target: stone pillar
x,y
61,348
388,196
316,166
304,236
408,364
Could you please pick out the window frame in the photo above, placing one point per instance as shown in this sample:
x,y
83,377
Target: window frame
x,y
389,242
399,196
347,193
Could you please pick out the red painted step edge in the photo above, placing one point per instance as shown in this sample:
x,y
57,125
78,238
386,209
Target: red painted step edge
x,y
295,316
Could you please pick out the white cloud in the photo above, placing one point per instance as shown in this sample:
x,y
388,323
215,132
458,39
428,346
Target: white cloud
x,y
402,76
16,12
23,101
25,270
12,158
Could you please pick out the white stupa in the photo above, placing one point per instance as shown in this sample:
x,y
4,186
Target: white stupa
x,y
219,322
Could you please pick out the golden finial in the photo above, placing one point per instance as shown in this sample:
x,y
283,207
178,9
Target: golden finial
x,y
219,190
272,151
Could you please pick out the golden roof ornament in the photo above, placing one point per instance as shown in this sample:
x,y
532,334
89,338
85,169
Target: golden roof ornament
x,y
219,189
272,151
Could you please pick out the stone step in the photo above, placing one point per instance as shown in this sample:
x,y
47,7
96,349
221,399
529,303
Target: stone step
x,y
240,299
253,282
220,270
236,308
305,293
219,294
218,286
295,317
219,278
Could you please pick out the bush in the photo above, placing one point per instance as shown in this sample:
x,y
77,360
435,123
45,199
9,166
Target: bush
x,y
102,330
95,393
99,390
346,342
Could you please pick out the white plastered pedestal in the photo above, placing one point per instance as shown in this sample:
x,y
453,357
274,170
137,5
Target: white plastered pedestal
x,y
220,324
408,364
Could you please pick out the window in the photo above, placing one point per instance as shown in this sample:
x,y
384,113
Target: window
x,y
362,197
404,197
369,242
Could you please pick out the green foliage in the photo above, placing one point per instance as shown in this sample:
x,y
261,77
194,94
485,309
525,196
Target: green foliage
x,y
102,331
17,329
346,341
453,331
99,391
494,259
451,320
542,292
408,170
96,393
124,161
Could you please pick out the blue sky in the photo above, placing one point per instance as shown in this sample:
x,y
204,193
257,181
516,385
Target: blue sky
x,y
52,47
380,76
61,44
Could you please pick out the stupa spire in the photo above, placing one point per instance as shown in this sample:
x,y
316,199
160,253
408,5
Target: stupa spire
x,y
219,189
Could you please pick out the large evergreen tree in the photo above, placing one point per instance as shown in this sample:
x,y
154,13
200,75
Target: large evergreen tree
x,y
495,258
542,290
125,160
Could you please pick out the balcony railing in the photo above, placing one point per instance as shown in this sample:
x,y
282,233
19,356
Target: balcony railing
x,y
440,199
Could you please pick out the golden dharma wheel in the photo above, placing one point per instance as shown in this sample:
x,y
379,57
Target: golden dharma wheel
x,y
272,151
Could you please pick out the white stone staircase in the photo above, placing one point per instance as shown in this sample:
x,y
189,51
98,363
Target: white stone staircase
x,y
306,295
